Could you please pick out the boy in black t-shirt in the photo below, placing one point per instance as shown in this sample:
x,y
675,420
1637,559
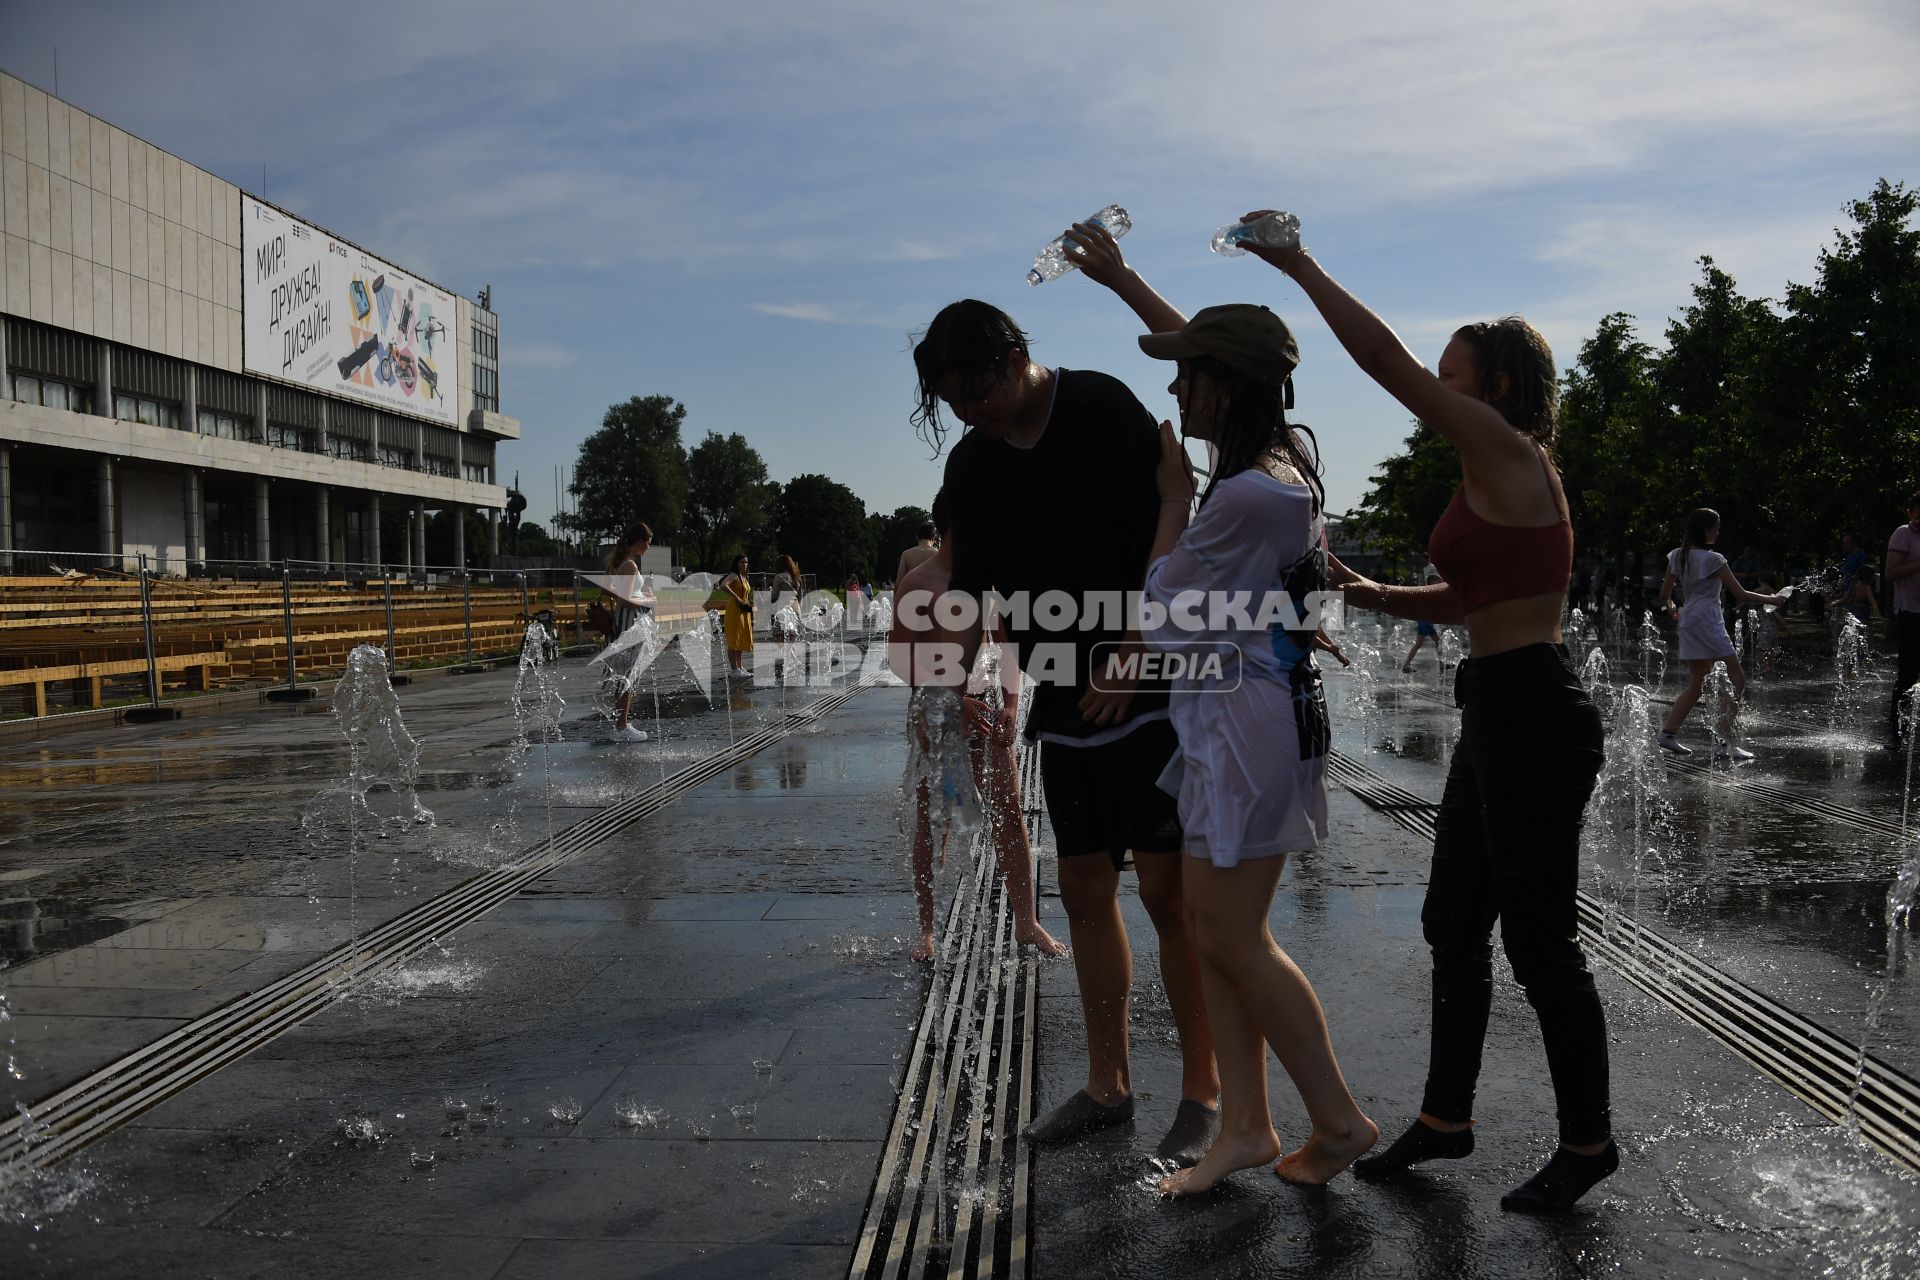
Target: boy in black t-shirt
x,y
1052,491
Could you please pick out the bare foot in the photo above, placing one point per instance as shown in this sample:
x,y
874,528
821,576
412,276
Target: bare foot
x,y
922,948
1034,935
1326,1155
1229,1153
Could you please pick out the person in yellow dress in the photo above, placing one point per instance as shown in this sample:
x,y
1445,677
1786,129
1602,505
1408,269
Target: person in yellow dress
x,y
739,617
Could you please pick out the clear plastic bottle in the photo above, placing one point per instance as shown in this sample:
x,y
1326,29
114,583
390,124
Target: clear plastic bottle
x,y
1054,261
1275,231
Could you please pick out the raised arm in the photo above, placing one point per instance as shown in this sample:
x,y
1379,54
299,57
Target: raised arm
x,y
1485,439
1098,256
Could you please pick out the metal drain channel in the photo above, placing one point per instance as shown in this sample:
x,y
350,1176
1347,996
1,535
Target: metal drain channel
x,y
968,1088
93,1107
1803,1057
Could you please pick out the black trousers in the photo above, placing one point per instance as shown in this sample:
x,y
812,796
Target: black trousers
x,y
1507,850
1906,634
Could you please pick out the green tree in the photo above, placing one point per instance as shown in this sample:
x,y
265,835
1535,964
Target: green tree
x,y
1406,497
633,468
1609,439
892,535
440,539
1719,446
726,492
1848,377
823,525
533,541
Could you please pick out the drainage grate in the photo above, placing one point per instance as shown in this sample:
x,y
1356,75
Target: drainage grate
x,y
1803,1057
88,1110
952,1194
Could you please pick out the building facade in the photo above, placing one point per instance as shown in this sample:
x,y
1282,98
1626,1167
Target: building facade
x,y
135,418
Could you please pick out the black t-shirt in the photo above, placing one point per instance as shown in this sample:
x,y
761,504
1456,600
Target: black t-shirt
x,y
1074,513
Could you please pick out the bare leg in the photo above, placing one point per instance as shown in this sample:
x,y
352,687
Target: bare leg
x,y
1231,905
1729,702
1103,962
1696,683
1247,1139
993,766
1180,971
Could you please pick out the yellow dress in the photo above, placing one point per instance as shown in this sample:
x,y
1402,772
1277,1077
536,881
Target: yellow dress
x,y
739,622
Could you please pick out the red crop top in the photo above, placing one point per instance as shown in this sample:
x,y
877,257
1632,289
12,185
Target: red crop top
x,y
1486,562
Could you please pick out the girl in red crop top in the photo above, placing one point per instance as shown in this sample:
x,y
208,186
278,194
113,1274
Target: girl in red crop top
x,y
1507,842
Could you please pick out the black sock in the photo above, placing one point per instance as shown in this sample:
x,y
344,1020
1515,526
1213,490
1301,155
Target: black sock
x,y
1077,1117
1420,1142
1566,1177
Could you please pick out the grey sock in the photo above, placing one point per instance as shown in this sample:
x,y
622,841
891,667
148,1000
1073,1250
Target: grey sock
x,y
1077,1117
1195,1126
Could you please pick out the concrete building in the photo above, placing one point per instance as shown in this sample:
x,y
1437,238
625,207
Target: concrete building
x,y
134,420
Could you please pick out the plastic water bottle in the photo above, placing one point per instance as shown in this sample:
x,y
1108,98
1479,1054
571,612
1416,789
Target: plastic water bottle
x,y
1275,231
1054,261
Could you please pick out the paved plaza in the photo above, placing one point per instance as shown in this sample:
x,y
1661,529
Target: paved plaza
x,y
680,1051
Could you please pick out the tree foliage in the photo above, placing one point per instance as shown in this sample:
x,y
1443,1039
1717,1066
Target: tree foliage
x,y
726,499
892,535
823,525
1797,422
633,468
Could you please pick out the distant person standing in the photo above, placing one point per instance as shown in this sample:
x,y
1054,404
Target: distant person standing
x,y
738,619
856,602
925,549
1852,558
630,601
1903,571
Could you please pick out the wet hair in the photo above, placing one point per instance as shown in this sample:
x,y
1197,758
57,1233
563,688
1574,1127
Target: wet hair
x,y
942,522
927,530
617,556
1531,399
969,340
1698,523
1250,418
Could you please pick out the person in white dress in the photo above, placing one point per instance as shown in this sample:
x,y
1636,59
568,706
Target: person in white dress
x,y
1701,572
1251,772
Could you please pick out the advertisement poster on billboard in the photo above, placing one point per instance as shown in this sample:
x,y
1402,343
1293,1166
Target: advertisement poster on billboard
x,y
319,312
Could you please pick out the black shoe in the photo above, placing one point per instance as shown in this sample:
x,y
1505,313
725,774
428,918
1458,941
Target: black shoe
x,y
1195,1126
1421,1142
1566,1178
1077,1117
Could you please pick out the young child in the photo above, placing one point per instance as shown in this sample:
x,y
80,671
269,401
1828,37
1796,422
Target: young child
x,y
990,747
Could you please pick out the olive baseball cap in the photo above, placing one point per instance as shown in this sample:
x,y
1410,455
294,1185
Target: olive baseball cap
x,y
1246,338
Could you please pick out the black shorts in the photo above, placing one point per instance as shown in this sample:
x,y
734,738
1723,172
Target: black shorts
x,y
1106,799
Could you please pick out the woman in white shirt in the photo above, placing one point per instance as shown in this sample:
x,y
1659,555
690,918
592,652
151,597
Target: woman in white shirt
x,y
1701,572
1251,773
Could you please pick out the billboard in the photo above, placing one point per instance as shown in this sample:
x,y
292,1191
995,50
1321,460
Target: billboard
x,y
319,312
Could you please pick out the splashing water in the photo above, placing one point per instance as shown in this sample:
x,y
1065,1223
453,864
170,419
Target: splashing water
x,y
383,758
1902,896
1653,652
566,1110
359,1129
631,1113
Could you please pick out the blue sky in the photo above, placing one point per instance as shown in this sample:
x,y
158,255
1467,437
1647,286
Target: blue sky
x,y
752,207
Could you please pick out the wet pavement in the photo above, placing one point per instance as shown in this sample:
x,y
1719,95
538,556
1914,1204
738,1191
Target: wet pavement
x,y
679,1053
